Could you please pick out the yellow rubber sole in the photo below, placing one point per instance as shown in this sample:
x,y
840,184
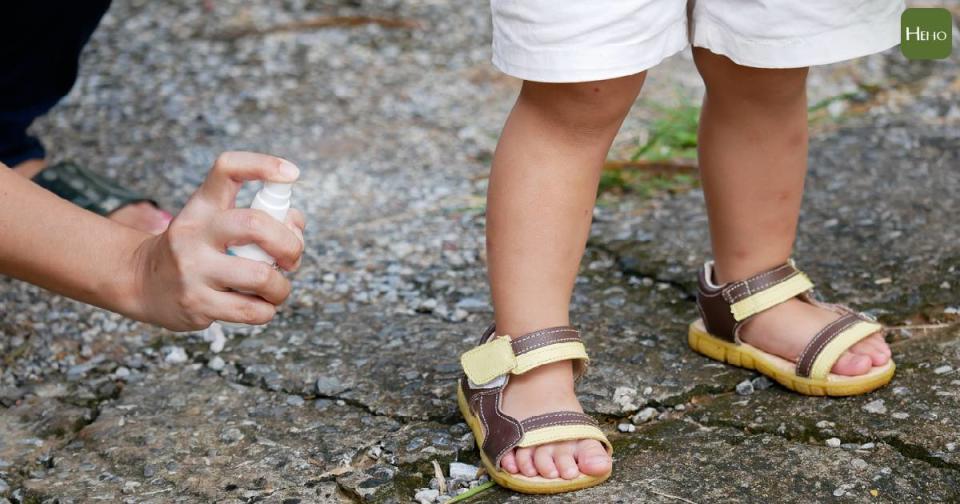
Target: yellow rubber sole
x,y
783,371
519,482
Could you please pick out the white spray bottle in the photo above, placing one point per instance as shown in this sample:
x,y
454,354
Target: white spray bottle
x,y
274,199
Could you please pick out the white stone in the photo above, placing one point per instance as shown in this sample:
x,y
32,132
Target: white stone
x,y
645,415
175,355
426,496
461,471
626,427
216,363
626,398
833,442
876,407
942,370
214,336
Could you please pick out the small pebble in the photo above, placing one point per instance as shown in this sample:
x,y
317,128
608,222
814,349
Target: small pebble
x,y
833,442
859,464
645,415
214,336
461,471
231,435
867,446
942,370
745,388
175,355
762,383
875,406
426,495
626,427
216,363
626,398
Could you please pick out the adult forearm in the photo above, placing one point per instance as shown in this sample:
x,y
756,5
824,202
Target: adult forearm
x,y
49,242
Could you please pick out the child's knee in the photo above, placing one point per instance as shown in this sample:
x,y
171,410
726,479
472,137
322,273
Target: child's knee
x,y
583,108
764,86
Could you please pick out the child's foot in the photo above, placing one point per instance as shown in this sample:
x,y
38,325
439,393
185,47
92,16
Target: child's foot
x,y
141,216
547,389
785,330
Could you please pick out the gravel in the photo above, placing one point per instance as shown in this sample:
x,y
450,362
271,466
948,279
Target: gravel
x,y
745,388
393,282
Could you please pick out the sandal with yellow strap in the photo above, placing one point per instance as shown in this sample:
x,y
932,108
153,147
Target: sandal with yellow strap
x,y
487,370
724,309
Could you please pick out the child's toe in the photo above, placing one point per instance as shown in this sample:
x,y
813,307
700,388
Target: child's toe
x,y
509,463
525,463
852,364
567,464
881,344
592,458
873,349
543,459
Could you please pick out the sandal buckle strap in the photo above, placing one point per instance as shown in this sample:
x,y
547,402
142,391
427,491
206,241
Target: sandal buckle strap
x,y
770,295
501,355
488,361
724,308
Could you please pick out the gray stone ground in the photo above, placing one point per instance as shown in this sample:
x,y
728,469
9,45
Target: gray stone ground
x,y
348,396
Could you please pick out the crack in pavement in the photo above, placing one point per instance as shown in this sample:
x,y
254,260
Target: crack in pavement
x,y
904,448
634,272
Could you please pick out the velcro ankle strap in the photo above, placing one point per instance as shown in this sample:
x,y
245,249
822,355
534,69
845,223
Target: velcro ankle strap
x,y
770,295
501,355
726,307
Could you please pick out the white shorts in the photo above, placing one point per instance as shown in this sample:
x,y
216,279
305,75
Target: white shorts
x,y
585,40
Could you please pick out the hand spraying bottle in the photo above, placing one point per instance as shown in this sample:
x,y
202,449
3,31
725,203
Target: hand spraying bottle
x,y
274,199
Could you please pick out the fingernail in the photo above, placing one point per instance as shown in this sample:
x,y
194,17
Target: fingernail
x,y
289,170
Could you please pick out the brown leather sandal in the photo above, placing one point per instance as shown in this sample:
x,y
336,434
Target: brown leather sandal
x,y
487,369
724,309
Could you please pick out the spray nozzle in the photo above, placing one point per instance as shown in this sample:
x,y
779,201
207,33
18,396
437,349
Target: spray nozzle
x,y
278,189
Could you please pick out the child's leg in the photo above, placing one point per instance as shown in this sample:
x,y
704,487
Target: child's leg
x,y
753,158
540,203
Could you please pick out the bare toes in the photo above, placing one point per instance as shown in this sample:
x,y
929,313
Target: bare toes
x,y
879,351
882,344
543,459
525,464
564,457
509,463
592,458
869,349
852,364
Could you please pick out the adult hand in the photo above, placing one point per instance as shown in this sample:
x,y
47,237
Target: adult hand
x,y
185,280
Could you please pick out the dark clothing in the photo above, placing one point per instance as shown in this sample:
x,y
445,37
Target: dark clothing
x,y
40,45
